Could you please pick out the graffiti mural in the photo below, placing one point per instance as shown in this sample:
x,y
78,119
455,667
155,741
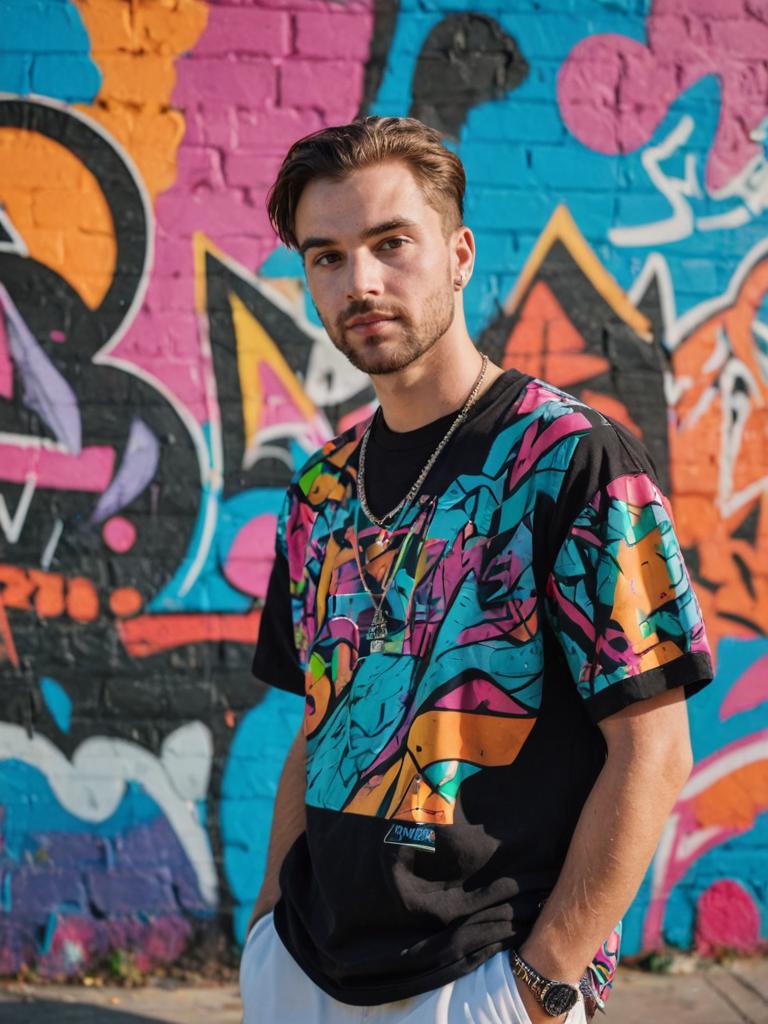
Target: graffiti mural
x,y
162,373
154,396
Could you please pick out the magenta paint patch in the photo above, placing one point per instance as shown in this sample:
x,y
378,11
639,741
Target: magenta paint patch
x,y
614,92
119,534
76,943
91,470
235,107
57,336
163,941
79,941
6,366
249,562
749,691
727,918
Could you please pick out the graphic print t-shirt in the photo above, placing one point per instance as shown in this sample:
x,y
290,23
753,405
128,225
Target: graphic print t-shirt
x,y
537,586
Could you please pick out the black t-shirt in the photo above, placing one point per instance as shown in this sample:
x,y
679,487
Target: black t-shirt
x,y
534,587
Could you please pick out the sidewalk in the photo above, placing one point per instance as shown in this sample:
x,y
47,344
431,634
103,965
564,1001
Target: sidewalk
x,y
737,994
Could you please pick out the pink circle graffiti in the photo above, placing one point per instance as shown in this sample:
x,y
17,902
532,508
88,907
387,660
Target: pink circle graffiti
x,y
726,918
249,561
119,534
614,91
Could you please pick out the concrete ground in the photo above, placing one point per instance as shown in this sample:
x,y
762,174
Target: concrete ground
x,y
737,994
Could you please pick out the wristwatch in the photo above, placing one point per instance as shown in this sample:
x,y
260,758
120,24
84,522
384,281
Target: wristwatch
x,y
556,997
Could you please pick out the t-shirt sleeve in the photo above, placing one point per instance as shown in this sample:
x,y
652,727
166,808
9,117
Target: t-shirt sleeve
x,y
276,661
619,597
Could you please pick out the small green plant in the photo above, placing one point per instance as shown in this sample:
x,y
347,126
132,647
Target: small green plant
x,y
657,962
121,966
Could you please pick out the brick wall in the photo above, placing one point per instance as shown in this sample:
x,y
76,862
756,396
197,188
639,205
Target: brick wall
x,y
161,372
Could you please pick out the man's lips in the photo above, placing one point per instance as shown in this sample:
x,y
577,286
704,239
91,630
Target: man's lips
x,y
373,323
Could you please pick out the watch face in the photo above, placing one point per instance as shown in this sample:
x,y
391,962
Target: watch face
x,y
560,999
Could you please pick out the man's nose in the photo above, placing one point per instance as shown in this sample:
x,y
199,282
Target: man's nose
x,y
364,276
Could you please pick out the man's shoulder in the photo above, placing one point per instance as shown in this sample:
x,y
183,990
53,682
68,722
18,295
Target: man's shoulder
x,y
583,443
599,429
548,402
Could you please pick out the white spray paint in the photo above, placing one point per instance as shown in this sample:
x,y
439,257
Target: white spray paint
x,y
92,785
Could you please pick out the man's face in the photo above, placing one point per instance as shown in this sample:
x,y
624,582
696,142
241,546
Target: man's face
x,y
379,265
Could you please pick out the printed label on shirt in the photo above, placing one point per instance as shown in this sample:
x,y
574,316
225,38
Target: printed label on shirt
x,y
421,837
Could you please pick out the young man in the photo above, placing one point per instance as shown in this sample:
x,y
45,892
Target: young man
x,y
480,595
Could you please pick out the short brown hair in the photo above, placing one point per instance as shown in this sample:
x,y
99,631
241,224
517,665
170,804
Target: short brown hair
x,y
337,151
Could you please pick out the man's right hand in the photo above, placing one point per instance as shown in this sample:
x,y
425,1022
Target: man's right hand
x,y
261,908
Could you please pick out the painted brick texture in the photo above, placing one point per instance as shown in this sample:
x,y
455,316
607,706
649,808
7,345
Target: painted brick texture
x,y
617,184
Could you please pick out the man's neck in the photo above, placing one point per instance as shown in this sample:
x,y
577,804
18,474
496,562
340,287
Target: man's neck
x,y
436,384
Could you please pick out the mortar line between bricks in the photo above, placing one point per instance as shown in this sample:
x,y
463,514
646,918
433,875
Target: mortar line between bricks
x,y
749,986
727,999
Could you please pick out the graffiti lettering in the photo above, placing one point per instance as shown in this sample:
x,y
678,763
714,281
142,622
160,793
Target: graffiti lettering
x,y
162,375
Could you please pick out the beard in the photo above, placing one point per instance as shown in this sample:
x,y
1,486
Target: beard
x,y
375,357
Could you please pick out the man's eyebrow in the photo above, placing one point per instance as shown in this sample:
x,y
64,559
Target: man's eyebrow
x,y
388,225
314,242
396,224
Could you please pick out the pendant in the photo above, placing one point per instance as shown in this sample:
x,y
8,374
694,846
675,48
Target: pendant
x,y
377,632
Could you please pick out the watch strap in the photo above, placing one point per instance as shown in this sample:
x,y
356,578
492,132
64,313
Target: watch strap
x,y
536,982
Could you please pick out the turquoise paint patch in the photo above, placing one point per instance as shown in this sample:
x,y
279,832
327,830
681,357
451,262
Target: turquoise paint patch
x,y
58,702
71,79
248,790
15,73
282,262
41,26
708,732
679,919
45,49
50,930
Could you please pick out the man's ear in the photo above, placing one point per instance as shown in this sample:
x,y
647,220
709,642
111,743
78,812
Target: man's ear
x,y
463,242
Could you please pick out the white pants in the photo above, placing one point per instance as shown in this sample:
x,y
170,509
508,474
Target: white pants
x,y
275,990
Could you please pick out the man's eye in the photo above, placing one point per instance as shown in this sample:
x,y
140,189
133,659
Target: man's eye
x,y
392,243
326,258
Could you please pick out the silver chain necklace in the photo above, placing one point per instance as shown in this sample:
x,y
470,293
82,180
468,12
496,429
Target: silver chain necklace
x,y
378,631
381,521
